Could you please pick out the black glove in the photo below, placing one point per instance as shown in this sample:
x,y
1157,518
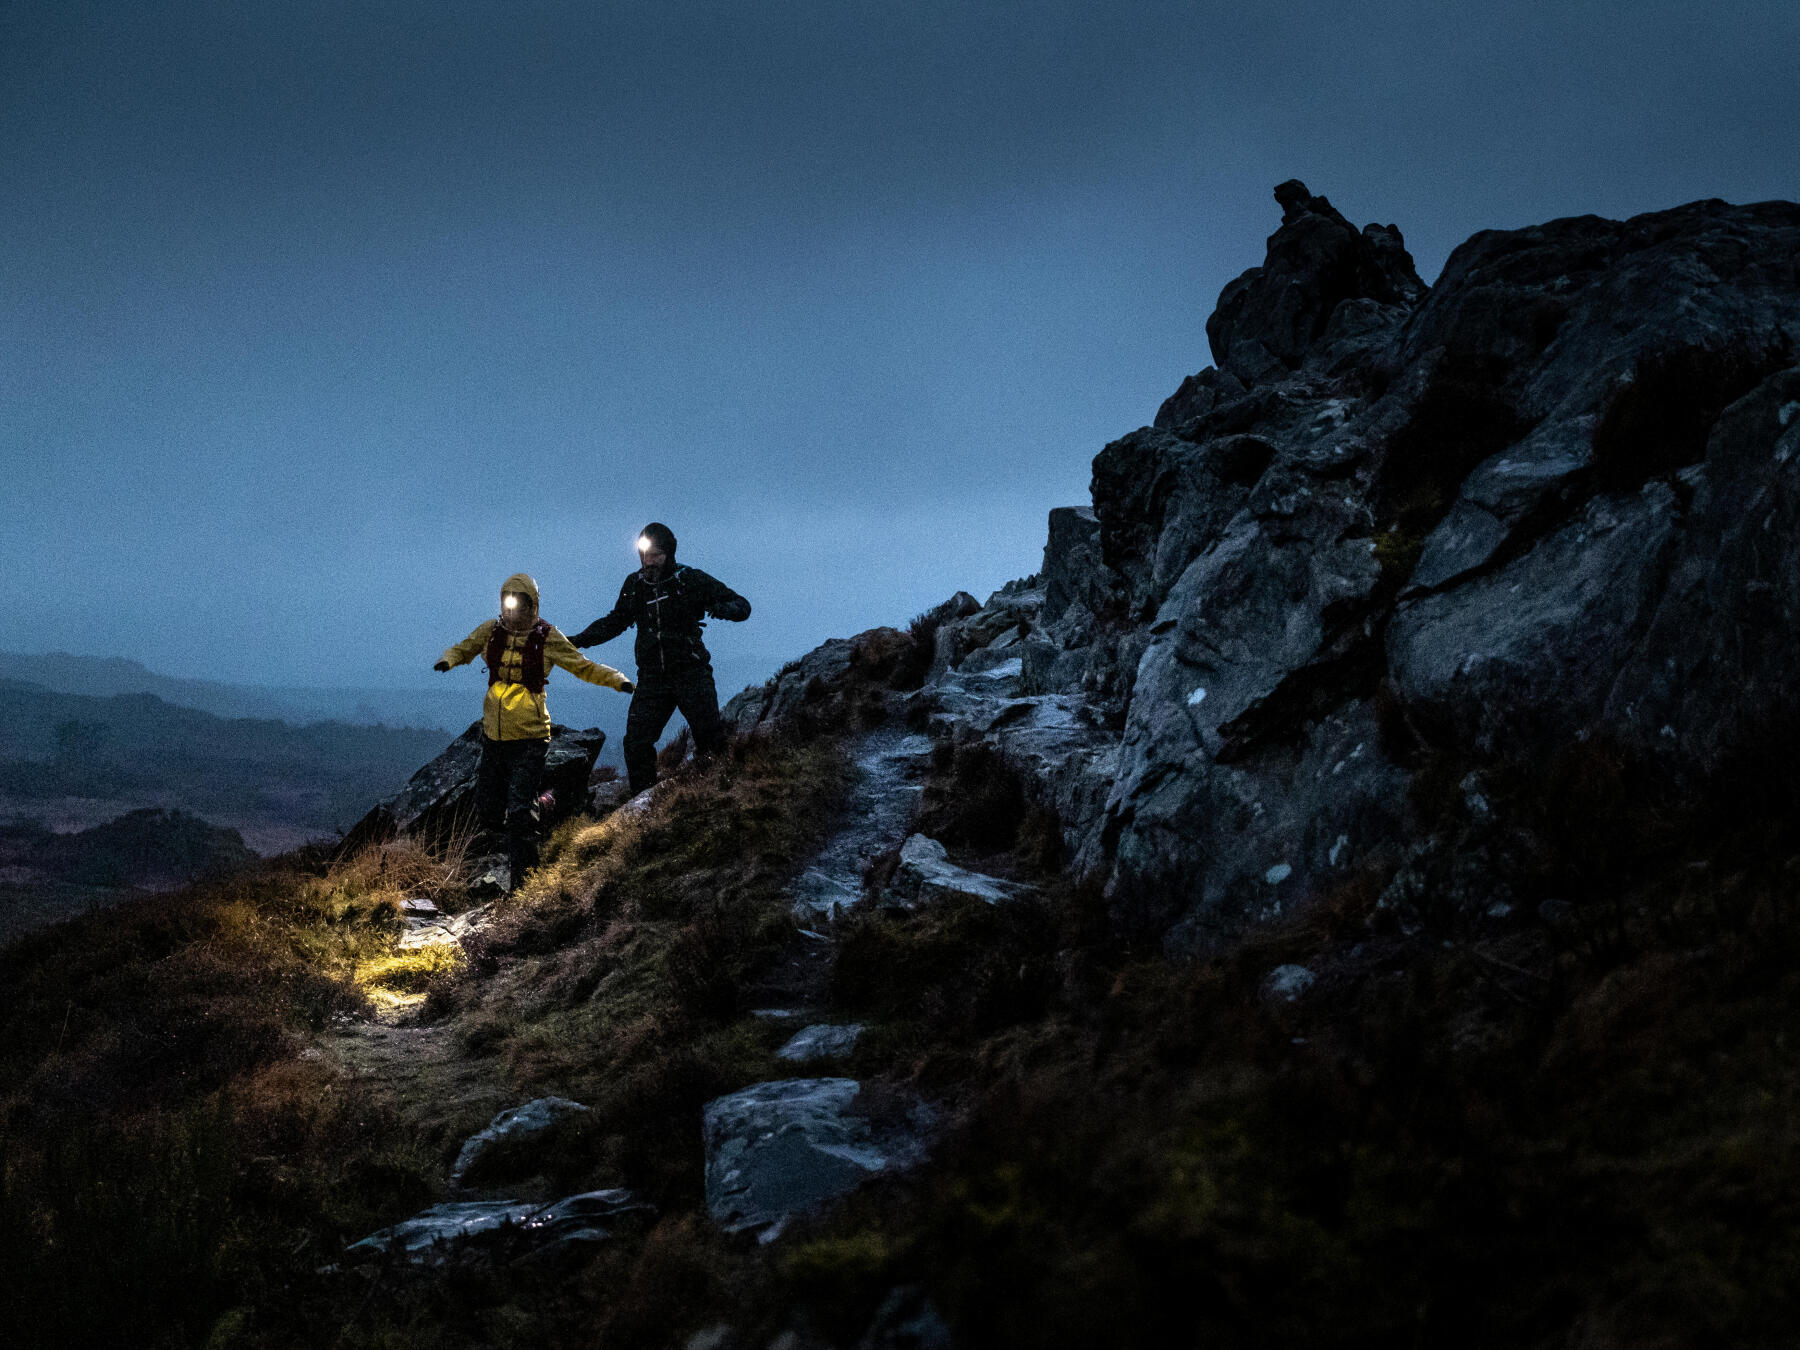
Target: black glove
x,y
442,665
628,688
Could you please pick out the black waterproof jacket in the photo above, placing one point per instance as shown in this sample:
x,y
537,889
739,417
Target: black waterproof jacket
x,y
669,615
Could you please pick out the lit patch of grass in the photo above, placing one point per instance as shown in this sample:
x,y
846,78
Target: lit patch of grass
x,y
402,981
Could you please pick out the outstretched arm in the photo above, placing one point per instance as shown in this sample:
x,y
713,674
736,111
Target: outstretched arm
x,y
560,651
610,626
724,603
468,649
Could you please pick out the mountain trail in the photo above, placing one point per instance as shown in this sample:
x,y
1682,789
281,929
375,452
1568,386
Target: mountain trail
x,y
423,1072
883,805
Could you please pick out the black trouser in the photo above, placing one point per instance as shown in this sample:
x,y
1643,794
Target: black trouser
x,y
506,791
654,703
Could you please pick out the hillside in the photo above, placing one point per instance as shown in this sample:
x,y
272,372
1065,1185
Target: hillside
x,y
136,748
1343,898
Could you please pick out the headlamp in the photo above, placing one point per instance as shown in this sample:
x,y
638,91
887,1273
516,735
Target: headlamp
x,y
644,543
511,602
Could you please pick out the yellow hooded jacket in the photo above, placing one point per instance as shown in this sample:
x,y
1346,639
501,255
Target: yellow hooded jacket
x,y
511,712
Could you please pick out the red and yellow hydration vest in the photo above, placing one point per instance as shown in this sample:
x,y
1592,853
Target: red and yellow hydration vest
x,y
522,663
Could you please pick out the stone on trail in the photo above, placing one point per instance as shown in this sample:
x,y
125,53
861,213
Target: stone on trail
x,y
515,1125
1287,984
926,874
783,1148
823,1041
438,929
447,1233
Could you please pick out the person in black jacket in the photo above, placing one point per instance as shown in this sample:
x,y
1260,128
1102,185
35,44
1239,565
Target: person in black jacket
x,y
670,604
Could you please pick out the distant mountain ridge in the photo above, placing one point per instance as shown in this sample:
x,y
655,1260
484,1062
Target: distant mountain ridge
x,y
444,709
450,707
140,748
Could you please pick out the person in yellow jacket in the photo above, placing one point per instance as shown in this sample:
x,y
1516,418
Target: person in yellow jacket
x,y
519,648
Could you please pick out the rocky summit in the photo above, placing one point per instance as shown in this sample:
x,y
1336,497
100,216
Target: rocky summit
x,y
1551,500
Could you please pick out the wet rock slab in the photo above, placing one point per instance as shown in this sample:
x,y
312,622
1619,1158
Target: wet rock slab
x,y
787,1147
508,1229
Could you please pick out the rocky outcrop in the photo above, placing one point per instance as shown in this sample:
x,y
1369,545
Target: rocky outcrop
x,y
1324,288
1553,498
438,802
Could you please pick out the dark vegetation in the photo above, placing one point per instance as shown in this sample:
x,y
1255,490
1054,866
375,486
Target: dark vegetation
x,y
148,848
915,664
54,744
1558,1131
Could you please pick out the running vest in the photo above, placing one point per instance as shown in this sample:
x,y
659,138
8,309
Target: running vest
x,y
531,668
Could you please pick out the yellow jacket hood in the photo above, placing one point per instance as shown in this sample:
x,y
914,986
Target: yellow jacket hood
x,y
519,583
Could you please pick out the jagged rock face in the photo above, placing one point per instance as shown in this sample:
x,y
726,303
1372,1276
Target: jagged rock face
x,y
1518,509
1555,497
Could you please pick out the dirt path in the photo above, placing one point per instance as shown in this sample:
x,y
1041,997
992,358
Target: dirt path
x,y
423,1072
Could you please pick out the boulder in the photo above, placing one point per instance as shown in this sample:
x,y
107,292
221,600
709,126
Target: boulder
x,y
432,928
510,1132
799,682
1287,984
438,802
787,1147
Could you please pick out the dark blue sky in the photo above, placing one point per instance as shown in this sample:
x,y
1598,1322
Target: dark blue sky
x,y
318,319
